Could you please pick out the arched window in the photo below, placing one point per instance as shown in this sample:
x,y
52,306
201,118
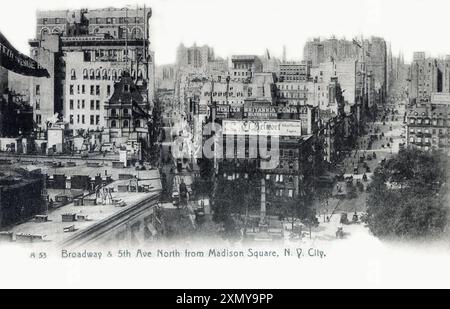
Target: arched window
x,y
92,74
56,31
136,33
137,123
140,74
125,123
73,75
85,74
113,124
45,31
114,74
105,74
113,112
97,75
109,74
125,112
120,73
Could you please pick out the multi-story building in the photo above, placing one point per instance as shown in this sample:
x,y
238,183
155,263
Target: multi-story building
x,y
243,67
195,56
127,113
428,126
294,71
165,77
371,55
427,76
85,52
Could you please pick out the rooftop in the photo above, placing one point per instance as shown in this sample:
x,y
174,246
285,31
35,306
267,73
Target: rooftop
x,y
55,230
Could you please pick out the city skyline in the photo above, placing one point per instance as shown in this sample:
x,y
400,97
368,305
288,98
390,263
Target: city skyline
x,y
371,17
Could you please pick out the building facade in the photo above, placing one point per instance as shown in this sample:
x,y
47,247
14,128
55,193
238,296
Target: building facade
x,y
428,124
195,56
85,52
294,71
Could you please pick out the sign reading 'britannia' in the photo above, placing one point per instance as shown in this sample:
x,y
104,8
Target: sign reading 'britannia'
x,y
12,60
267,128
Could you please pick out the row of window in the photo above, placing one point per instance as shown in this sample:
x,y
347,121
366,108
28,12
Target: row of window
x,y
81,119
291,87
428,131
434,141
125,124
230,94
94,89
427,121
103,74
81,104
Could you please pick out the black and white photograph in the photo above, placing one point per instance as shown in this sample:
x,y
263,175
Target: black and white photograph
x,y
212,144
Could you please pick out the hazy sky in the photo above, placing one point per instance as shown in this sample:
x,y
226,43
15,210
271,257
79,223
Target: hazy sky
x,y
251,26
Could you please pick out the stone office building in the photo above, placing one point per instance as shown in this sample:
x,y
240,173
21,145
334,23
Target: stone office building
x,y
85,52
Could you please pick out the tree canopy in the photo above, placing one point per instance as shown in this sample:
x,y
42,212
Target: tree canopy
x,y
409,196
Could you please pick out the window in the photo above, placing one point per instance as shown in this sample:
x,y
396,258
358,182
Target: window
x,y
78,118
126,88
97,75
125,112
82,119
92,105
38,119
85,74
38,105
73,75
97,90
97,105
71,104
113,112
92,120
125,124
71,119
83,89
83,105
92,89
71,89
97,120
108,90
113,124
137,123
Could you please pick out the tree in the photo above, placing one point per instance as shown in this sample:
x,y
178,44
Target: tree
x,y
299,209
409,196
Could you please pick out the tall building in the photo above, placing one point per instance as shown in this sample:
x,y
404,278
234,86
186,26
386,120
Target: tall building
x,y
195,56
371,53
85,52
428,75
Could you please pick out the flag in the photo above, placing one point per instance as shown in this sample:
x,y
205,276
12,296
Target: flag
x,y
357,43
14,61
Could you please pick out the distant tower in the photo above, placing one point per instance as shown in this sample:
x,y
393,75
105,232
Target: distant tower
x,y
284,53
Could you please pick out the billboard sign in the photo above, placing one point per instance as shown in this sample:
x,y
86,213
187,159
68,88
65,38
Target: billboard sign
x,y
262,127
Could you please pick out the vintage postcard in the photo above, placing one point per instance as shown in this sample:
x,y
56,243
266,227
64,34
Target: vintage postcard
x,y
248,144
